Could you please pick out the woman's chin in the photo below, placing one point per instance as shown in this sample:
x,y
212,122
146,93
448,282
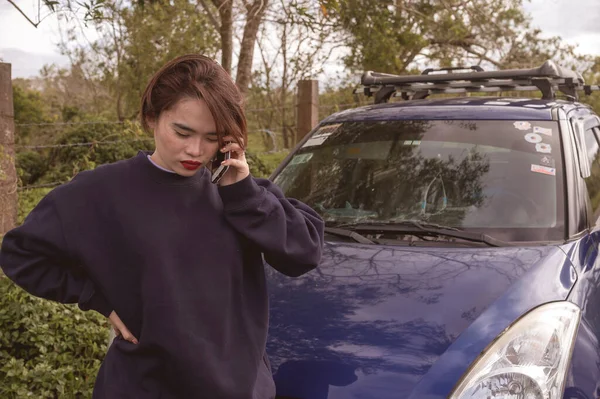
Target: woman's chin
x,y
186,172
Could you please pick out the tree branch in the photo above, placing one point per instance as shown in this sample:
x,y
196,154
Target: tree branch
x,y
482,56
211,16
35,25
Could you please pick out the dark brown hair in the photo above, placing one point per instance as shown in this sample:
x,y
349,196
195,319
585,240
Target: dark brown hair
x,y
197,76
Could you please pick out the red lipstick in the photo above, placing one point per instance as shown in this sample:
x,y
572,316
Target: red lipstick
x,y
191,165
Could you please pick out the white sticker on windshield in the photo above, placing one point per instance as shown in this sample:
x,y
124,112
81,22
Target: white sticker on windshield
x,y
321,135
543,169
543,148
522,125
542,130
547,160
533,138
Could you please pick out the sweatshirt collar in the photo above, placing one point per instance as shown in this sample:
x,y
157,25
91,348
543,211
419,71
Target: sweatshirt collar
x,y
163,176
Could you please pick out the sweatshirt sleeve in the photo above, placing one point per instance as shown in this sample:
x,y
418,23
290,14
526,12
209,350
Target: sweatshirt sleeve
x,y
288,232
36,257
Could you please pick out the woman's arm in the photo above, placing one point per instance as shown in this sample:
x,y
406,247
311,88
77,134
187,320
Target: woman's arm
x,y
36,257
288,232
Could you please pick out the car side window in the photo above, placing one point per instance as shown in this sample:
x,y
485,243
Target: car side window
x,y
593,181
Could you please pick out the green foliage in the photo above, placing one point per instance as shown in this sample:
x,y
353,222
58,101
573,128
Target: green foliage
x,y
31,166
113,142
262,165
47,350
28,199
392,36
29,106
592,76
101,143
156,32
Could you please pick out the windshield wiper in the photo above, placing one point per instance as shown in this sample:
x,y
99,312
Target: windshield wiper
x,y
335,231
423,225
419,227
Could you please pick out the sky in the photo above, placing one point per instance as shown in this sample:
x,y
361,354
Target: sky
x,y
28,48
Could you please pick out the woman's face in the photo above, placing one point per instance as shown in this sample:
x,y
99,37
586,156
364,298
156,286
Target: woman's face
x,y
185,137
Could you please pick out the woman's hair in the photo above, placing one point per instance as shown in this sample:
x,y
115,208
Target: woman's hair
x,y
197,76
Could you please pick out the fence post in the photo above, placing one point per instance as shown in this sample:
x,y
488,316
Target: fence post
x,y
8,174
308,107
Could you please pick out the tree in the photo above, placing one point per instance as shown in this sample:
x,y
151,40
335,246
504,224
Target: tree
x,y
253,13
294,43
224,24
154,34
91,9
135,41
396,35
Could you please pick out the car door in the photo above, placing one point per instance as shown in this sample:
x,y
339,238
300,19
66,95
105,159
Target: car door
x,y
584,377
587,131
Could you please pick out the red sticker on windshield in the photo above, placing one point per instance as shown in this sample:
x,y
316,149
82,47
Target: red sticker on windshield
x,y
543,169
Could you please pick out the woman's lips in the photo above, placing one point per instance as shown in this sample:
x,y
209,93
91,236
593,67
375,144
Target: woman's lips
x,y
191,165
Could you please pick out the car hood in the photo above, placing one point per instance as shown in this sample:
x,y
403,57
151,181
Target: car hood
x,y
371,321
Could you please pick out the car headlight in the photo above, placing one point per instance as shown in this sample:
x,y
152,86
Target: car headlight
x,y
529,360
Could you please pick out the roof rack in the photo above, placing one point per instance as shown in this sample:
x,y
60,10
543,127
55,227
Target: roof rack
x,y
549,79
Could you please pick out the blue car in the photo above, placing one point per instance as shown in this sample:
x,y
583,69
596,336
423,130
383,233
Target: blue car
x,y
461,257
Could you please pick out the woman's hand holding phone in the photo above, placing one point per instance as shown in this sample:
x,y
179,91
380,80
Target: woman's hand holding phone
x,y
238,168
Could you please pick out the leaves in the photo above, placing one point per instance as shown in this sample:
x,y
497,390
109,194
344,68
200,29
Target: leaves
x,y
44,351
394,35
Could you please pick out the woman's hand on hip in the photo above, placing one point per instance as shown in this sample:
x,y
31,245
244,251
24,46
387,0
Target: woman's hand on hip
x,y
120,329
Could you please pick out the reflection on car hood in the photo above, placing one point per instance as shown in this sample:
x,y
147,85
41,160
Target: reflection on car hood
x,y
372,320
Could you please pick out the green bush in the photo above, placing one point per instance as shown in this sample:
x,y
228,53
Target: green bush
x,y
47,350
262,165
115,143
28,199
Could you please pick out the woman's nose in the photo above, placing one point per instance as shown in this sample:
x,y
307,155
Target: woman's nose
x,y
195,147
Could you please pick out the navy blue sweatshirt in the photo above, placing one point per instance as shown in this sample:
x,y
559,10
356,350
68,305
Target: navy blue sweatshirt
x,y
180,260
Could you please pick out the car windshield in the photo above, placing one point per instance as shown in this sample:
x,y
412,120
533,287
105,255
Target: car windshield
x,y
502,178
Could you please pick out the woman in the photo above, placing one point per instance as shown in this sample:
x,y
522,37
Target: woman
x,y
172,259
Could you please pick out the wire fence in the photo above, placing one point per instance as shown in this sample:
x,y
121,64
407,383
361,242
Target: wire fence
x,y
326,106
272,140
89,143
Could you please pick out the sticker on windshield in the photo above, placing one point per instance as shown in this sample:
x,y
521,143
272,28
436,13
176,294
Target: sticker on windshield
x,y
302,158
522,125
543,148
321,135
547,161
543,169
542,130
533,138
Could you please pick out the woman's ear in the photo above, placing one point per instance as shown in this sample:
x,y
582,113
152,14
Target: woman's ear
x,y
151,122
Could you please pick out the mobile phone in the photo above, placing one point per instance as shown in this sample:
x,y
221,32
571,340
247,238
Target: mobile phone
x,y
219,170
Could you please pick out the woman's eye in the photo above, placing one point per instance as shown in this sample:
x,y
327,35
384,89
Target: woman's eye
x,y
181,135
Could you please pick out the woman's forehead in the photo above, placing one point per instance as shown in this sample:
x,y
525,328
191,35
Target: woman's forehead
x,y
192,113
